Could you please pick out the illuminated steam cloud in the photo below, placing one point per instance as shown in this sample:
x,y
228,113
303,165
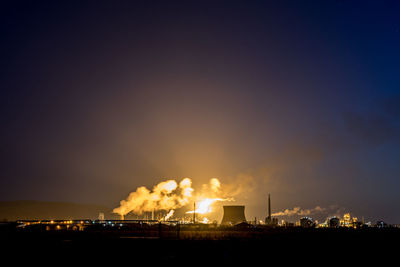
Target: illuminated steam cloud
x,y
165,196
168,195
299,211
209,194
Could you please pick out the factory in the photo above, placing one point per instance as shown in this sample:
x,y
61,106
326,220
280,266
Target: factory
x,y
233,216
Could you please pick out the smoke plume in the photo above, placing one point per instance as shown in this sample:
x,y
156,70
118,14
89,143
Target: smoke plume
x,y
164,196
169,195
299,211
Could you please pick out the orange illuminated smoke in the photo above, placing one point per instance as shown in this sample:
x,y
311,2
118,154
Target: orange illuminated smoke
x,y
170,195
204,206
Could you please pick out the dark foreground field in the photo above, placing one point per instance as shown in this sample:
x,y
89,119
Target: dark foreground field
x,y
272,247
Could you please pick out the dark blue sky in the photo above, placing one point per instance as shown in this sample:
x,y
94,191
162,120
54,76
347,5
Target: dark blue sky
x,y
301,97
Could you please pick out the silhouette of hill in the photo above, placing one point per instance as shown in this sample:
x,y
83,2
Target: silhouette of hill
x,y
33,210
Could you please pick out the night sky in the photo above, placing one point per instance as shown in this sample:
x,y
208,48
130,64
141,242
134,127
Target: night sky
x,y
299,99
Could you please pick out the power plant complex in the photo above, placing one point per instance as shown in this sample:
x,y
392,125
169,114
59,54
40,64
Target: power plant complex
x,y
233,215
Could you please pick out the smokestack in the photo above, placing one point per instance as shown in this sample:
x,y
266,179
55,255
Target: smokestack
x,y
152,214
122,217
268,220
269,206
233,215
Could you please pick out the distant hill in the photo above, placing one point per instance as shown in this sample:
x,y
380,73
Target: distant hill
x,y
32,210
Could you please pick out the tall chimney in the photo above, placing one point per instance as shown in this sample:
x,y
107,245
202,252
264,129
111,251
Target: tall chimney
x,y
268,220
269,206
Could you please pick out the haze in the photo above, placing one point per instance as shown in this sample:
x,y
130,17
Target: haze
x,y
299,100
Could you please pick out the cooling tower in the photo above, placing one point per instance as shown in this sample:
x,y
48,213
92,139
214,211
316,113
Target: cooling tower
x,y
233,215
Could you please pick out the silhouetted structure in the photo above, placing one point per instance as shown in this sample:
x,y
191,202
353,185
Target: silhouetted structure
x,y
233,215
269,220
333,222
307,222
381,224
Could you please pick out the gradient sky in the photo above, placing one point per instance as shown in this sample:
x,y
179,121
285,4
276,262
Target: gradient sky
x,y
300,98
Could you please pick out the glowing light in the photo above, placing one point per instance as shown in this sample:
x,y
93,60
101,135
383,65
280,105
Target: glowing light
x,y
205,220
169,215
204,206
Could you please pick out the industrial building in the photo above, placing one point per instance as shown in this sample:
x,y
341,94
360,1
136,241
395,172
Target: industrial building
x,y
233,215
307,222
333,222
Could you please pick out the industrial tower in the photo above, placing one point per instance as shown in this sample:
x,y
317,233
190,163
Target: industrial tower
x,y
269,220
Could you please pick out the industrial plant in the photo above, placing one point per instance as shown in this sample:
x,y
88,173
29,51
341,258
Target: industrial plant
x,y
165,225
